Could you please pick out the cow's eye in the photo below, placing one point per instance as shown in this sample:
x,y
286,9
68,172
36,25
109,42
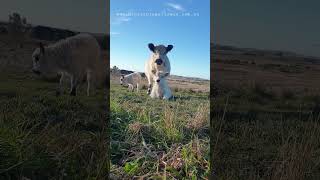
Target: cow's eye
x,y
37,58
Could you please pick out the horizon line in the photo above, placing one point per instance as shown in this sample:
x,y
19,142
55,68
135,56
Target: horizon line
x,y
297,54
62,28
171,74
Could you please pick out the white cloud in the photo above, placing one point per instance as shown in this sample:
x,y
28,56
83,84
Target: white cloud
x,y
177,7
114,33
120,20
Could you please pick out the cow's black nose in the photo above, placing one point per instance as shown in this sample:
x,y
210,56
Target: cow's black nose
x,y
159,61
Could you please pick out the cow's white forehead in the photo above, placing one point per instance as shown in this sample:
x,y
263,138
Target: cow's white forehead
x,y
161,49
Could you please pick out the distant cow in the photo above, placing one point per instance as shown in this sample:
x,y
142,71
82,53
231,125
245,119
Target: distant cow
x,y
160,88
158,61
78,57
132,80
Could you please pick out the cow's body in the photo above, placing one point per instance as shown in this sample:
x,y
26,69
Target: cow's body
x,y
77,57
132,80
158,61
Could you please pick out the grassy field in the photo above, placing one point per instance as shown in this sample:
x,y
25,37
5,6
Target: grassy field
x,y
256,140
157,139
47,137
265,121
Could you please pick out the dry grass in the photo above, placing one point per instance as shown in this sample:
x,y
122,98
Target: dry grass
x,y
297,155
48,137
277,73
260,134
265,118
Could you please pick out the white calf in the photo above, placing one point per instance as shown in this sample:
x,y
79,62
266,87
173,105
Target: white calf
x,y
160,87
133,79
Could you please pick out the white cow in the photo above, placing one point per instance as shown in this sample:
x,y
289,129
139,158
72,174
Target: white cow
x,y
157,62
133,79
77,57
160,87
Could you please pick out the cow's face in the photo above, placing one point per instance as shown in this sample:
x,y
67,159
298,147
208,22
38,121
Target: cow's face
x,y
122,80
159,76
38,58
159,53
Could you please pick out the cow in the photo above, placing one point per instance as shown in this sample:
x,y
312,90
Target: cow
x,y
78,57
133,79
157,62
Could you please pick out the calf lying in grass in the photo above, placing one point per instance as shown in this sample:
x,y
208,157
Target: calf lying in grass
x,y
131,80
160,87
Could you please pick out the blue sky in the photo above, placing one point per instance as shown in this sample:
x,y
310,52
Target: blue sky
x,y
190,35
291,25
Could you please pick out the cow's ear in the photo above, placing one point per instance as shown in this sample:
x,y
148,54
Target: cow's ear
x,y
151,47
169,47
41,48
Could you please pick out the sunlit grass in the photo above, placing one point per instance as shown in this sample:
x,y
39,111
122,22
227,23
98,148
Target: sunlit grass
x,y
159,139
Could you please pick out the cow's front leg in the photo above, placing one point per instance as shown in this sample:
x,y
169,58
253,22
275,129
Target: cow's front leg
x,y
149,84
149,88
60,88
90,83
74,83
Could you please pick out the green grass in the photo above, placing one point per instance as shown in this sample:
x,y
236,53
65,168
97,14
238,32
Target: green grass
x,y
47,137
159,139
259,134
